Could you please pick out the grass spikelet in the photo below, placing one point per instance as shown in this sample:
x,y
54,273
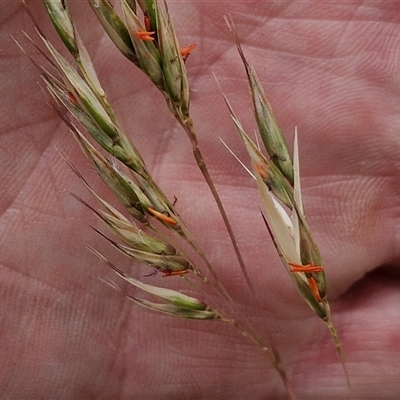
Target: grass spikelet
x,y
176,303
268,126
278,180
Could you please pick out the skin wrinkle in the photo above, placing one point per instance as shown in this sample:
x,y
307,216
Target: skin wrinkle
x,y
342,35
120,357
37,209
345,12
24,274
355,231
317,57
29,171
118,343
212,364
168,137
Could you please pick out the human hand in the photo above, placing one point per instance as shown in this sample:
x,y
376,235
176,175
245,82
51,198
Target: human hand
x,y
330,69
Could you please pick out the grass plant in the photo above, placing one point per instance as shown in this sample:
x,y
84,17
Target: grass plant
x,y
150,230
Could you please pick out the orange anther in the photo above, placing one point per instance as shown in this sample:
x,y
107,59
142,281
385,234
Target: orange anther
x,y
314,288
305,268
185,51
261,170
144,35
161,216
166,272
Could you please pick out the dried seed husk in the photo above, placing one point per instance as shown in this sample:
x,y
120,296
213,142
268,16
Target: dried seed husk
x,y
123,151
67,97
158,200
122,227
269,173
131,4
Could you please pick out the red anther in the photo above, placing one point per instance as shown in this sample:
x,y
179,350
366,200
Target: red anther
x,y
305,268
185,51
72,98
166,272
314,288
161,216
147,24
144,35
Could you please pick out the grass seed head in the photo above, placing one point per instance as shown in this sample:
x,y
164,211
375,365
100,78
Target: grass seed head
x,y
288,227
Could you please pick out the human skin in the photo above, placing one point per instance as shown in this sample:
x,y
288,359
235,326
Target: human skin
x,y
329,68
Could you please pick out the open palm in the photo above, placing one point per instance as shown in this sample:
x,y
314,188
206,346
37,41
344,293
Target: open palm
x,y
330,68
